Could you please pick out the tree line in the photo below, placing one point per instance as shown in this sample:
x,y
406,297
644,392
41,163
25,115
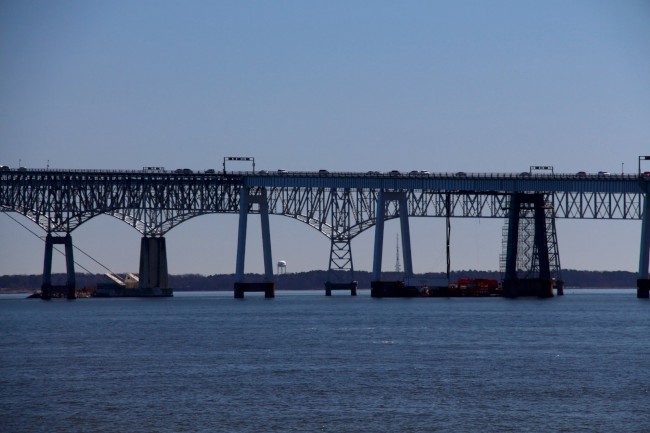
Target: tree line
x,y
313,280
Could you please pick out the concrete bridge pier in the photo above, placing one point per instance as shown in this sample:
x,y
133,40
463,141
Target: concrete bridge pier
x,y
267,286
70,288
390,288
643,282
351,286
153,263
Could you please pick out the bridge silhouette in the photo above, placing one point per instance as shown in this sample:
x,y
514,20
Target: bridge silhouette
x,y
339,205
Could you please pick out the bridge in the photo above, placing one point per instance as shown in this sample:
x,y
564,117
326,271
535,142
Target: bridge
x,y
339,205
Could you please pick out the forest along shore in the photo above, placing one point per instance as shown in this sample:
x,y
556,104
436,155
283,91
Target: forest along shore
x,y
315,280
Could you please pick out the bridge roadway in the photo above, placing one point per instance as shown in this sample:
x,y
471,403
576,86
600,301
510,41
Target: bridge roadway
x,y
339,205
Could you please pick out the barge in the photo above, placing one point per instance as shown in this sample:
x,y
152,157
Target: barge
x,y
464,287
129,287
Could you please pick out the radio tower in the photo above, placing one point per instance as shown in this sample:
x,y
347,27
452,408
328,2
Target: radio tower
x,y
398,267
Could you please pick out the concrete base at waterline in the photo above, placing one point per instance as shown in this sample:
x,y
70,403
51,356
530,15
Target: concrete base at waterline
x,y
392,289
540,287
267,288
643,288
352,287
153,263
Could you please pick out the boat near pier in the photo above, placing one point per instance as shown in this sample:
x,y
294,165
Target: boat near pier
x,y
464,287
128,287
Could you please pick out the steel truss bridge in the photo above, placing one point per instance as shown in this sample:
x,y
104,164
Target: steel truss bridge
x,y
339,205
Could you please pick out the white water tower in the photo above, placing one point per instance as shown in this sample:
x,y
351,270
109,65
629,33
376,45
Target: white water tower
x,y
282,267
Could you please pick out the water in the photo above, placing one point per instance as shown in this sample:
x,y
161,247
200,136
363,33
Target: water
x,y
304,362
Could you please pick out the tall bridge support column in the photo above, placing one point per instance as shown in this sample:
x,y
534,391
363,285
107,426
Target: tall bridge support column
x,y
512,242
379,237
241,236
406,236
153,263
340,273
391,288
643,282
513,286
340,266
70,288
267,286
541,238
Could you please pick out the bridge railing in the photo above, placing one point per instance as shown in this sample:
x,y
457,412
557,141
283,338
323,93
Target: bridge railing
x,y
458,175
321,173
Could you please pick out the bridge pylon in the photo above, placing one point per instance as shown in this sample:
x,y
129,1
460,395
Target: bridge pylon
x,y
381,288
527,258
340,272
153,264
643,281
340,275
268,285
48,290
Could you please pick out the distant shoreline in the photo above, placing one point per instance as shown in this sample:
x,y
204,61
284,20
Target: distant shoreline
x,y
314,280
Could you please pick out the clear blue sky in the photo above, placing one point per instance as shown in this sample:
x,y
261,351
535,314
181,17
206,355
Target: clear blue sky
x,y
343,85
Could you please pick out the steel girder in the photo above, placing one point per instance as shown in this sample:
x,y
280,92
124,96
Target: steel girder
x,y
155,203
597,205
152,205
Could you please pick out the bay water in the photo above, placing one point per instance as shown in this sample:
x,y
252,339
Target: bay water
x,y
304,362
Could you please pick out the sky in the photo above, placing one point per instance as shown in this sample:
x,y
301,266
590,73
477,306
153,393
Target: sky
x,y
347,85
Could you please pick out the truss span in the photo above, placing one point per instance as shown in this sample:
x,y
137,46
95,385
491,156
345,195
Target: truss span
x,y
339,205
